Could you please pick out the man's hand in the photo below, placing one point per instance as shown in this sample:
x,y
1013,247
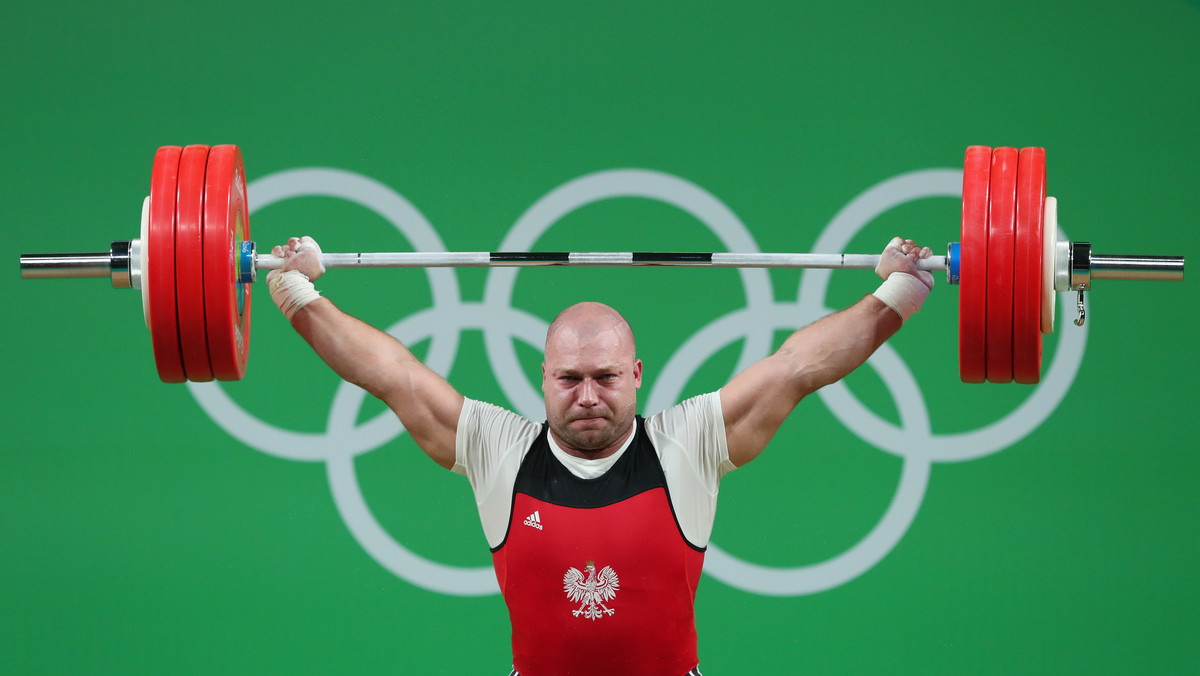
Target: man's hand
x,y
302,254
901,255
292,285
904,285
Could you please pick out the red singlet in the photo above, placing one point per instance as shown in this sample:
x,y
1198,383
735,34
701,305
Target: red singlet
x,y
596,573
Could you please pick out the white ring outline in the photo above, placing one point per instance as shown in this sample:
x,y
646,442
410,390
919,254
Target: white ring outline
x,y
915,441
595,187
443,283
581,191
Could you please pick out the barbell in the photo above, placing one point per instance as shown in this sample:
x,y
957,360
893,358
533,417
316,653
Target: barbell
x,y
194,263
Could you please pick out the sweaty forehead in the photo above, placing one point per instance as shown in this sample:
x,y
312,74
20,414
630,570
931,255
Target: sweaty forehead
x,y
587,347
591,327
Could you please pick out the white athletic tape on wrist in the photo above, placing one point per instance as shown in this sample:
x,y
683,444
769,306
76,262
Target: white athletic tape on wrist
x,y
902,292
291,291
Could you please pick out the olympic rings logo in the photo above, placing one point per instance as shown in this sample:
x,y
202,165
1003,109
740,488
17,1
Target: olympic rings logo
x,y
913,440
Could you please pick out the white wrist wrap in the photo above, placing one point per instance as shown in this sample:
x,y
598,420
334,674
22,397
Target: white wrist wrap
x,y
903,293
291,291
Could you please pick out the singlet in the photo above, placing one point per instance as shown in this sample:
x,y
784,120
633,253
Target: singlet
x,y
598,561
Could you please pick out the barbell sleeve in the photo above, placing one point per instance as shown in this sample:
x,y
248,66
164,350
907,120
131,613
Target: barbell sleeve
x,y
1150,268
65,265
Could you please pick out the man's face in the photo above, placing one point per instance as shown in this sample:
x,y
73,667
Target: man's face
x,y
590,380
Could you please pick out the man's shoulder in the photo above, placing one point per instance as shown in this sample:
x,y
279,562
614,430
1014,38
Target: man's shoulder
x,y
700,410
480,418
477,408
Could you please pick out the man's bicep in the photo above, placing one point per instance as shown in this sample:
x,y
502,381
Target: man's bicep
x,y
429,408
754,404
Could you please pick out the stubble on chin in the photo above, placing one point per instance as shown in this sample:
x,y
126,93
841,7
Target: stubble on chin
x,y
591,440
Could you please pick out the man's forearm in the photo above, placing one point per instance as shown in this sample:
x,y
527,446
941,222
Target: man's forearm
x,y
358,352
830,349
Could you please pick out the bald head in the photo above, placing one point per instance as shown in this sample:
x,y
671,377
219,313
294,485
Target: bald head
x,y
589,321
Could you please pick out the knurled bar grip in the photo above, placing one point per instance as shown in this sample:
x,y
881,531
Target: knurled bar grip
x,y
422,259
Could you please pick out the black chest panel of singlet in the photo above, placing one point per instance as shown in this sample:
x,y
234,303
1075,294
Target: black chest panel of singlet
x,y
544,478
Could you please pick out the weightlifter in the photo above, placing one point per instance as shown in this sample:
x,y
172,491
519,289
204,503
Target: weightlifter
x,y
598,519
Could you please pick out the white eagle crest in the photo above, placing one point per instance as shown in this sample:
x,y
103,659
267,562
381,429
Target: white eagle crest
x,y
591,592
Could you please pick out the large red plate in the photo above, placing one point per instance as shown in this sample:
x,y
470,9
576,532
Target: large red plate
x,y
226,225
972,292
1027,287
160,266
189,263
1002,207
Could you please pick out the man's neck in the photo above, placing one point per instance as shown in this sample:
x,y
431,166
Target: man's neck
x,y
599,454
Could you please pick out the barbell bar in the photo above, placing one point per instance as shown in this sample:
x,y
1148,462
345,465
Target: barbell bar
x,y
114,263
195,263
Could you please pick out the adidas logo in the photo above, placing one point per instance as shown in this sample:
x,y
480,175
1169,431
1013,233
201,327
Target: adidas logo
x,y
534,520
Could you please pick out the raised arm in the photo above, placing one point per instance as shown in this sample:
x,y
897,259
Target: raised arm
x,y
426,404
757,400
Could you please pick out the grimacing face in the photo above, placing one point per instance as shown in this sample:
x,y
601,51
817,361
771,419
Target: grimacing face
x,y
590,379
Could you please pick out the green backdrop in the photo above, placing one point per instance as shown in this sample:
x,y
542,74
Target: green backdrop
x,y
905,523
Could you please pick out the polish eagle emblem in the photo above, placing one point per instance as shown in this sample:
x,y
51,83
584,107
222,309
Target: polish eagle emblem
x,y
591,591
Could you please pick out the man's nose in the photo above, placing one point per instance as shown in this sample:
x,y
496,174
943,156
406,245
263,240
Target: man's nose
x,y
587,393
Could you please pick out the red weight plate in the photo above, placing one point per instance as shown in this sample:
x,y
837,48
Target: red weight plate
x,y
226,225
160,266
1002,208
972,292
189,263
1027,286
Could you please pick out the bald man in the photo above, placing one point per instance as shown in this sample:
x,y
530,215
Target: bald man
x,y
598,519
